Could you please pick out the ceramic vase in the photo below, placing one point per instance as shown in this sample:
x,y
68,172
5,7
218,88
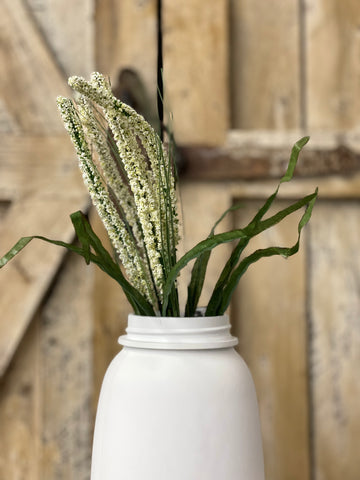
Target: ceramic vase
x,y
177,403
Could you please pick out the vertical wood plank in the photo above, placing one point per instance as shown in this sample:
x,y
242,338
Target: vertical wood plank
x,y
333,63
68,32
20,420
335,339
269,309
126,37
265,64
196,69
66,354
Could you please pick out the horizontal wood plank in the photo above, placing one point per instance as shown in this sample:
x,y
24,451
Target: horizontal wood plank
x,y
258,155
34,163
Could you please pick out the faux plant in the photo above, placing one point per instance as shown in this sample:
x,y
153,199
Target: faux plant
x,y
131,178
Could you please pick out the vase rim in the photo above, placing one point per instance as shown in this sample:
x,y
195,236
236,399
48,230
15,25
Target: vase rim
x,y
178,333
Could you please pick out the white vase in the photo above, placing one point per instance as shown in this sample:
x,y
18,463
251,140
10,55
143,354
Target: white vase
x,y
177,403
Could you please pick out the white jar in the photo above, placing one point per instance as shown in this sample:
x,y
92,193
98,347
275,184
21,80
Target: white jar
x,y
177,403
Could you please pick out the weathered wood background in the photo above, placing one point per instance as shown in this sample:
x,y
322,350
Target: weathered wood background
x,y
244,79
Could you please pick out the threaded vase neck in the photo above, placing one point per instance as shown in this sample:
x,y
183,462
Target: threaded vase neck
x,y
178,333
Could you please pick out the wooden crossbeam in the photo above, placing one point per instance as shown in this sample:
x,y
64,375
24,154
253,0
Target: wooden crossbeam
x,y
251,155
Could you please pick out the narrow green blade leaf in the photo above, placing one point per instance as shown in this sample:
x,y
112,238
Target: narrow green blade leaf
x,y
212,242
15,250
199,270
24,241
217,294
216,297
196,283
77,219
294,158
104,260
261,253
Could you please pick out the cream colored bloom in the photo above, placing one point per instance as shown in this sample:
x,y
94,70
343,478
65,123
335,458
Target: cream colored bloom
x,y
118,233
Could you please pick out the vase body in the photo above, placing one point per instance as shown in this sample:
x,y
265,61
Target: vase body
x,y
177,403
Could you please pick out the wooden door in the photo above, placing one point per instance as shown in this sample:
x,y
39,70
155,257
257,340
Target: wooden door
x,y
244,80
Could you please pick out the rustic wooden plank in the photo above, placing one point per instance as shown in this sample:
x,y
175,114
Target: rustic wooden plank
x,y
333,187
335,339
31,163
265,64
20,409
30,80
29,275
333,90
66,374
269,312
262,154
126,37
73,47
195,40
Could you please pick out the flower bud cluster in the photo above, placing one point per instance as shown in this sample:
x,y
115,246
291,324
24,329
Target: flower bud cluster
x,y
131,181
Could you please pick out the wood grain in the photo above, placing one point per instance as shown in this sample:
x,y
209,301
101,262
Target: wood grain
x,y
257,154
66,374
20,411
43,208
332,64
265,64
30,79
126,37
270,321
335,339
196,69
34,164
71,46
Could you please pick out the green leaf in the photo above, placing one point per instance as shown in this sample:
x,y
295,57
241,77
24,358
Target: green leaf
x,y
199,271
294,158
246,233
216,297
101,258
196,283
261,253
78,222
104,260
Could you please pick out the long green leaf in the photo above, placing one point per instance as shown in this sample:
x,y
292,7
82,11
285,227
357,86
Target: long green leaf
x,y
78,222
24,241
88,237
196,283
261,253
101,258
199,271
247,232
217,295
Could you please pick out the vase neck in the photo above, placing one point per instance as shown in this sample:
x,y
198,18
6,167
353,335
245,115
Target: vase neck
x,y
178,333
